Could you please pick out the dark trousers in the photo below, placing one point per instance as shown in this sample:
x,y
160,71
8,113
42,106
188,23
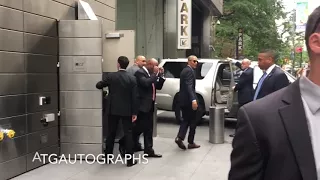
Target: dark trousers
x,y
113,121
136,139
189,120
144,124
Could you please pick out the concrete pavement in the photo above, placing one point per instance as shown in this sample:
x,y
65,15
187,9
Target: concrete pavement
x,y
211,161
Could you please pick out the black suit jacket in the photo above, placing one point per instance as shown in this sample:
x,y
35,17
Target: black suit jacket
x,y
245,87
276,80
187,87
272,140
122,98
145,89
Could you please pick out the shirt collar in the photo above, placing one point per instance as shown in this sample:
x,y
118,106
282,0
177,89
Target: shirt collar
x,y
310,93
122,69
145,69
268,71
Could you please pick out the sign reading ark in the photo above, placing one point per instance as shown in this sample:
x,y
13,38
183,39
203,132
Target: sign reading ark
x,y
184,24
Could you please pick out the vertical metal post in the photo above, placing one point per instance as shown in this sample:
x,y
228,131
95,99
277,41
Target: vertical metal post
x,y
155,122
216,125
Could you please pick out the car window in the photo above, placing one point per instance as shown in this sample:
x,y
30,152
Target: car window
x,y
236,72
173,69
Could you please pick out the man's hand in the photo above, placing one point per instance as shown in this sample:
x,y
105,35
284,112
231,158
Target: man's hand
x,y
233,87
156,69
134,118
161,70
194,105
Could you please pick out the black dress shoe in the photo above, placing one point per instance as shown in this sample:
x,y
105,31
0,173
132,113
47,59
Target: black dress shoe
x,y
131,163
193,146
231,135
180,144
154,155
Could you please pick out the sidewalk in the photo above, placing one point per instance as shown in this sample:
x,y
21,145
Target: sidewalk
x,y
208,162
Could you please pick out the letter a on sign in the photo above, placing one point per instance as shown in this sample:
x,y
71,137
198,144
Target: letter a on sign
x,y
184,24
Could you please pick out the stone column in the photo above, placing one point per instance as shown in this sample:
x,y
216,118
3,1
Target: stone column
x,y
80,58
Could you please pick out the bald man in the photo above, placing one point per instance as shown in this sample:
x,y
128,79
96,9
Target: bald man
x,y
139,62
245,84
188,104
149,78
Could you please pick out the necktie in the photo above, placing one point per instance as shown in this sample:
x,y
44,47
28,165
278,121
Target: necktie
x,y
259,85
153,92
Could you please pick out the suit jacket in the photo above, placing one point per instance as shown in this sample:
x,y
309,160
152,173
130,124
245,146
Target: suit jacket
x,y
145,89
133,69
276,80
122,97
272,139
187,87
245,87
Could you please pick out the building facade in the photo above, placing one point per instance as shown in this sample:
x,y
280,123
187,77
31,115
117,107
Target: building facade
x,y
157,28
29,55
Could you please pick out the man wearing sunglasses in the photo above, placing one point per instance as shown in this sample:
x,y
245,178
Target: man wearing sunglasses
x,y
189,104
278,136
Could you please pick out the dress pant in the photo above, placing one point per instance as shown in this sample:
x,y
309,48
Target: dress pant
x,y
189,121
136,141
144,124
113,122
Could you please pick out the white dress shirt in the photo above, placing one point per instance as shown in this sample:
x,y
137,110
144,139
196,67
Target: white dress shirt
x,y
268,71
310,94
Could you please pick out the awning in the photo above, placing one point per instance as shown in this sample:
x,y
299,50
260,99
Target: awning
x,y
214,6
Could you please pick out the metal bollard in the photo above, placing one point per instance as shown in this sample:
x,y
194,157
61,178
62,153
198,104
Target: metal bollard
x,y
155,122
216,125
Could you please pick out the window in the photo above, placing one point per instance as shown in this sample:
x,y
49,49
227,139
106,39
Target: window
x,y
224,74
173,69
236,72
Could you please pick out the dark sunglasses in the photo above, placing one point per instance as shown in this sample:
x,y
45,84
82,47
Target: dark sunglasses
x,y
195,61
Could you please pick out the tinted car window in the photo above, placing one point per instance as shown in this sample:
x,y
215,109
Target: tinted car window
x,y
173,69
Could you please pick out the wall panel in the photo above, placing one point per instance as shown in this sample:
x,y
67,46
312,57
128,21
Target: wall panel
x,y
29,47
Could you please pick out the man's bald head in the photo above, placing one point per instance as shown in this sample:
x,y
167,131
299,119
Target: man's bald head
x,y
151,63
245,64
152,60
193,61
140,61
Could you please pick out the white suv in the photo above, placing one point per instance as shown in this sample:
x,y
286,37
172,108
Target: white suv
x,y
214,82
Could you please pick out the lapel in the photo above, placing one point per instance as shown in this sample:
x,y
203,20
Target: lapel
x,y
295,123
268,77
146,72
271,73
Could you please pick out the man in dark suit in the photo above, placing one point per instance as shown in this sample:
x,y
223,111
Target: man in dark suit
x,y
139,62
277,137
189,104
245,84
273,77
122,104
149,78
